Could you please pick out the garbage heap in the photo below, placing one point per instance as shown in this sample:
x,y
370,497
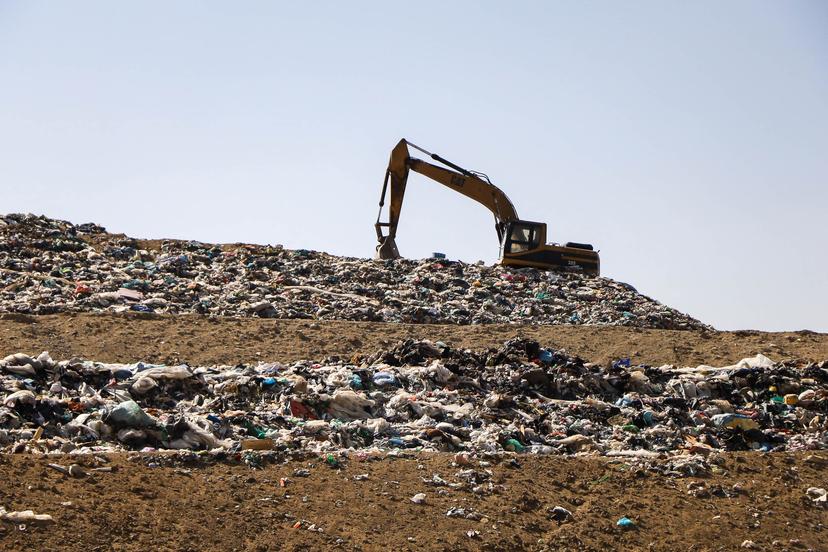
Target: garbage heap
x,y
49,266
419,395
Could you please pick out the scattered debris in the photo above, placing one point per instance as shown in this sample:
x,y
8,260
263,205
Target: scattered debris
x,y
466,513
518,399
49,266
818,495
73,470
24,516
559,513
625,522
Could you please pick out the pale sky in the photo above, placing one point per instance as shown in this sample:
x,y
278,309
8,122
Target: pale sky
x,y
686,141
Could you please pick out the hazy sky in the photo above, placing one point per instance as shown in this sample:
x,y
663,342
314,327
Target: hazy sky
x,y
687,141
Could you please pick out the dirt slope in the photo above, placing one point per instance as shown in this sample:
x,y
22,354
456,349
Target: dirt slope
x,y
200,340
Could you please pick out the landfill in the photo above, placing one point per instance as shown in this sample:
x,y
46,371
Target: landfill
x,y
521,398
515,445
50,266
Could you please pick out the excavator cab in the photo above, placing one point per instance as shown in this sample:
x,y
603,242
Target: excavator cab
x,y
523,243
521,236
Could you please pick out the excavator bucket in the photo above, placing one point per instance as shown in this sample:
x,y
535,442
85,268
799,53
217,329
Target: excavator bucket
x,y
387,249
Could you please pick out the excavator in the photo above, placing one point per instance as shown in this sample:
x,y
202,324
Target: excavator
x,y
522,242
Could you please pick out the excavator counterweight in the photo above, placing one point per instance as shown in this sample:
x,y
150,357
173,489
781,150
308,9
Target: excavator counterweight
x,y
522,242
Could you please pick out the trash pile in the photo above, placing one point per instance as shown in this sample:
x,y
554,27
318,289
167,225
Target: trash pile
x,y
49,266
417,396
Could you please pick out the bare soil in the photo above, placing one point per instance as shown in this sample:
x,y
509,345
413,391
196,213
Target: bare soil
x,y
231,506
199,340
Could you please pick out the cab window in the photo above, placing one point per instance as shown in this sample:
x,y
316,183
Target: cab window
x,y
522,238
521,234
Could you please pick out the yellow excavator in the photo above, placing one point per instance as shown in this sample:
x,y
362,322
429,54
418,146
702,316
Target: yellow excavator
x,y
522,242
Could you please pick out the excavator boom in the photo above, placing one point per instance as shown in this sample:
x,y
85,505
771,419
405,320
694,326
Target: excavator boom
x,y
468,183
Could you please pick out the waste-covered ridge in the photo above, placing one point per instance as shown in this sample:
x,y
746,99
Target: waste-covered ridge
x,y
51,266
420,396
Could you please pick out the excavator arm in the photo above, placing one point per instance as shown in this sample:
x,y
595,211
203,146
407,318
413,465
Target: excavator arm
x,y
473,185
